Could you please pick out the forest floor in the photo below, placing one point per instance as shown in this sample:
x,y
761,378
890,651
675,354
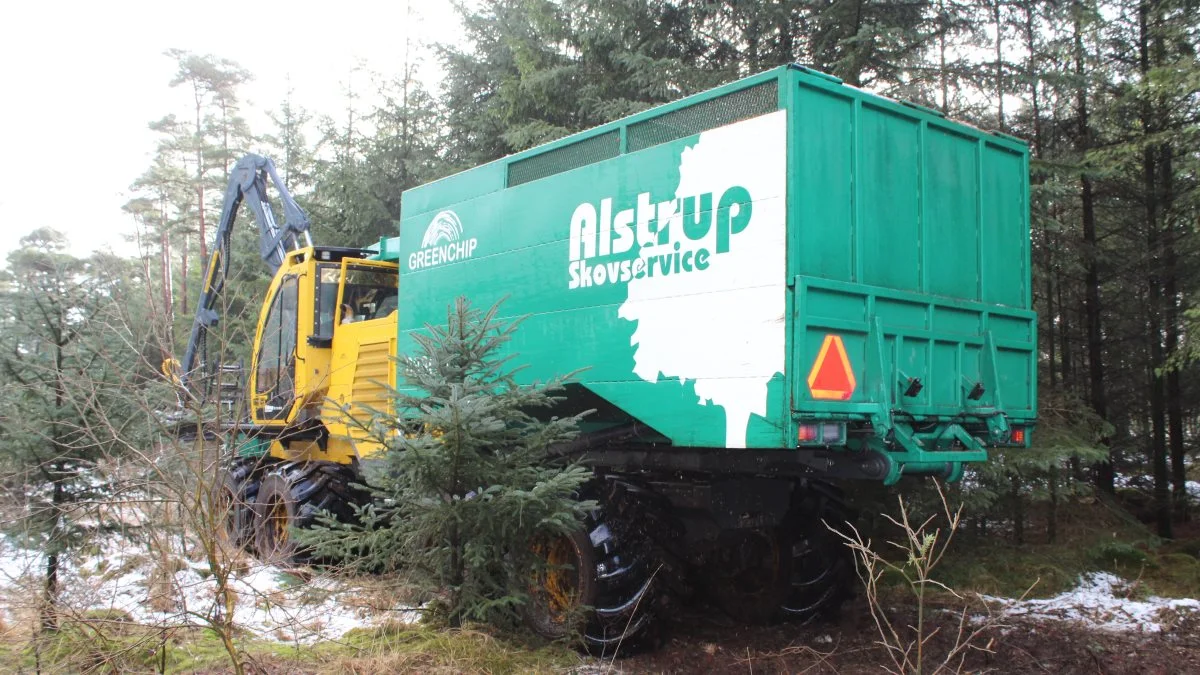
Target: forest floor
x,y
1072,642
1108,598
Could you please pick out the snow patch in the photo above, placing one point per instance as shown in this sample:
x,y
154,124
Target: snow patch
x,y
1099,602
271,602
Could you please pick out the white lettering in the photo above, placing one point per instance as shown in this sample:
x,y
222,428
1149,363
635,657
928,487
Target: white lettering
x,y
623,227
681,228
583,232
605,226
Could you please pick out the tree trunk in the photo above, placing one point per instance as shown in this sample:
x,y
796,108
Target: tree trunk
x,y
49,618
1091,304
183,276
1052,511
1171,318
1155,300
943,80
1064,334
165,264
1018,510
1178,452
199,180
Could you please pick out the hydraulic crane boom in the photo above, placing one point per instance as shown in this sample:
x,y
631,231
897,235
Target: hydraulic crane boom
x,y
247,181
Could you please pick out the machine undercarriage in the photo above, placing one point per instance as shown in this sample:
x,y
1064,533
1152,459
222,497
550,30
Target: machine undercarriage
x,y
759,548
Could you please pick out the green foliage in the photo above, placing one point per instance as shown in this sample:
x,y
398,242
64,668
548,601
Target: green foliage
x,y
538,70
1068,431
467,482
68,354
1114,554
365,162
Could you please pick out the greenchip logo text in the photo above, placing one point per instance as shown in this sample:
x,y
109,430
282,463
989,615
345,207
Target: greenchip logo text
x,y
442,243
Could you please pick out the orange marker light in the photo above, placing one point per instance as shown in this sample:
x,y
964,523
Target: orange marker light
x,y
832,378
1018,436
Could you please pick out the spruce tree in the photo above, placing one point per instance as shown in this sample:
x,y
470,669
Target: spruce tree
x,y
468,484
68,359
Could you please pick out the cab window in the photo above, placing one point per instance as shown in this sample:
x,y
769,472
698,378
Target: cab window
x,y
275,372
326,300
370,293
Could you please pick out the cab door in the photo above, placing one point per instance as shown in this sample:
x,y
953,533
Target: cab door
x,y
274,372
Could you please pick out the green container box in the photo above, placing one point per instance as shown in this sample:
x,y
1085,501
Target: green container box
x,y
696,258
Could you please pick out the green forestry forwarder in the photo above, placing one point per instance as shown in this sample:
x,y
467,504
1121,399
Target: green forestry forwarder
x,y
776,284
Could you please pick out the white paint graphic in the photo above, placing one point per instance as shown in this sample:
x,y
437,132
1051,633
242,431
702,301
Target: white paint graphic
x,y
723,328
442,243
445,226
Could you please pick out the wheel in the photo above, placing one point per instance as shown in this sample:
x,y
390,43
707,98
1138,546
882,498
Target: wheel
x,y
748,577
291,497
563,586
822,566
608,588
275,513
238,488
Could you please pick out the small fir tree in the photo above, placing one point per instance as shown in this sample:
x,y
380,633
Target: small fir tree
x,y
468,484
68,364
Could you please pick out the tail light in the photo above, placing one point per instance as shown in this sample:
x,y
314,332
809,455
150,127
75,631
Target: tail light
x,y
822,433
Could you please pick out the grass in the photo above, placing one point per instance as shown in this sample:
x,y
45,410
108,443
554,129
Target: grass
x,y
429,650
80,648
1093,537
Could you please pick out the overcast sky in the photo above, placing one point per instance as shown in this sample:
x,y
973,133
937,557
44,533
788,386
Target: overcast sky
x,y
81,80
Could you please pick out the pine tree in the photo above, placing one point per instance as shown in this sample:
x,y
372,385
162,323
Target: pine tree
x,y
218,135
468,482
288,145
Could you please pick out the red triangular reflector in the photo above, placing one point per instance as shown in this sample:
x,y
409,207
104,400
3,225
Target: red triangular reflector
x,y
832,378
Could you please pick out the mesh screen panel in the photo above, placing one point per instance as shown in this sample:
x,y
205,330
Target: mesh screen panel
x,y
581,153
733,107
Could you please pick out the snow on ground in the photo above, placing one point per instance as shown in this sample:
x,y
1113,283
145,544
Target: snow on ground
x,y
1101,602
271,602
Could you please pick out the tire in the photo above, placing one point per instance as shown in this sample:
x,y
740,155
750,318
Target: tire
x,y
822,566
748,577
618,591
238,490
561,590
291,497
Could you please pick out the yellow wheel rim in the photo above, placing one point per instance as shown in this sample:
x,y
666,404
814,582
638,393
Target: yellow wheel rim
x,y
277,520
557,582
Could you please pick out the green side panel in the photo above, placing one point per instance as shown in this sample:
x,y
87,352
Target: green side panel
x,y
952,214
1005,229
452,189
889,224
894,196
693,259
910,242
822,176
661,273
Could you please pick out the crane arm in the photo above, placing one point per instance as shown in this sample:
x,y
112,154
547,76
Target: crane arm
x,y
247,181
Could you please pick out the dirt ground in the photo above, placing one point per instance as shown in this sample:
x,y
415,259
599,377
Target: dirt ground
x,y
850,645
